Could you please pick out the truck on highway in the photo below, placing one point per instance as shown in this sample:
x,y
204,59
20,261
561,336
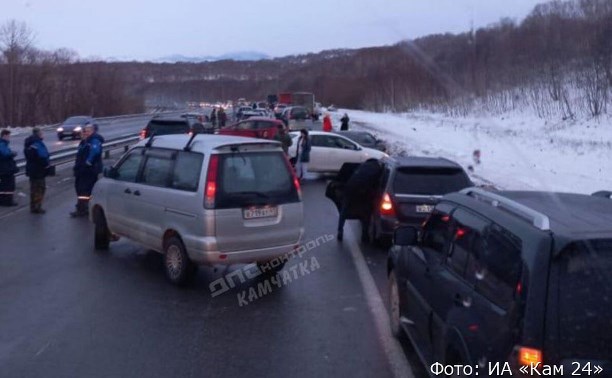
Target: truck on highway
x,y
285,98
307,100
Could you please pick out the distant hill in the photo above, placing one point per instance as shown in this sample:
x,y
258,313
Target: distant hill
x,y
238,56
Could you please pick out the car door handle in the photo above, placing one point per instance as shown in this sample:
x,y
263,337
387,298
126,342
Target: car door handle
x,y
127,191
137,193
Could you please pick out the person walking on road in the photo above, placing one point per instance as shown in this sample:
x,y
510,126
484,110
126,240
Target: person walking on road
x,y
213,117
359,193
283,137
37,166
327,123
302,154
87,167
344,125
222,117
8,169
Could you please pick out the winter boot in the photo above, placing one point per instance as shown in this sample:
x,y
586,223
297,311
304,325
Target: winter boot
x,y
81,209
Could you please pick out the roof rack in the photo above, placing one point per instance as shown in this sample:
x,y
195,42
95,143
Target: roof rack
x,y
539,220
603,193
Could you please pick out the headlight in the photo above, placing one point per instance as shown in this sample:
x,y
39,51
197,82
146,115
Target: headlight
x,y
60,129
78,129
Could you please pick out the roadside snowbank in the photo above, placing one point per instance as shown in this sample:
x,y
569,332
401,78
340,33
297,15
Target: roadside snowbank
x,y
518,152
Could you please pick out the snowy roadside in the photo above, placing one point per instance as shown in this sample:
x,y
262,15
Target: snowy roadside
x,y
518,152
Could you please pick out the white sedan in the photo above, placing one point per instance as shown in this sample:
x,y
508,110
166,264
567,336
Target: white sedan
x,y
329,151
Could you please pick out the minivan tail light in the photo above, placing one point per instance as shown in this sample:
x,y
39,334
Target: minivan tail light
x,y
143,134
296,181
211,182
529,356
386,206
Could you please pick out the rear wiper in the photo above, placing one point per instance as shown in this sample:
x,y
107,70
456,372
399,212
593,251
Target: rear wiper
x,y
252,193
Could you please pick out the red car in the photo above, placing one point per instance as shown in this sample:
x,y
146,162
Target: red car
x,y
254,127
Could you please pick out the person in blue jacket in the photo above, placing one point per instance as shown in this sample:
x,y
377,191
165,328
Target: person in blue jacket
x,y
8,168
37,166
87,167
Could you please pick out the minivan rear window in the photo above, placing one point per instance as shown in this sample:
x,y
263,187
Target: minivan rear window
x,y
585,299
258,178
429,181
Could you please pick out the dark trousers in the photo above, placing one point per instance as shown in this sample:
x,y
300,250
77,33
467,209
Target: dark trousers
x,y
364,219
37,193
83,185
7,189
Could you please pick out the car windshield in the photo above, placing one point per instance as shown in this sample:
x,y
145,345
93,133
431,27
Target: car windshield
x,y
429,181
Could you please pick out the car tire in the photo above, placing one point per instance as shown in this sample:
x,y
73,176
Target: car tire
x,y
177,264
271,270
394,307
60,138
102,235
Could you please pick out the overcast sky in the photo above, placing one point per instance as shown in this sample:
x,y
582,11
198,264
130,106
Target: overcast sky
x,y
151,29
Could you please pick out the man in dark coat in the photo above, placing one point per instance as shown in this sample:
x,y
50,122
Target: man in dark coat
x,y
213,117
344,125
87,167
222,117
359,193
8,168
37,165
284,138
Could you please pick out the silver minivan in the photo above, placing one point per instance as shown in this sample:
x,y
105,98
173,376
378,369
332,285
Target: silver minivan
x,y
204,199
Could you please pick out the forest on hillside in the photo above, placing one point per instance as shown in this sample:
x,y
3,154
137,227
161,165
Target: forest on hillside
x,y
557,62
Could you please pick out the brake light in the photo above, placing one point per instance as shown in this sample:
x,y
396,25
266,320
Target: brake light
x,y
460,233
296,181
529,356
386,206
211,182
143,133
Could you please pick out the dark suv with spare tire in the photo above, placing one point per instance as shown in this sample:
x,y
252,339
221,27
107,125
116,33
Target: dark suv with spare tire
x,y
517,277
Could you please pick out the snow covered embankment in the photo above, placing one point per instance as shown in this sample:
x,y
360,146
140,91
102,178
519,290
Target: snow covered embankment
x,y
518,152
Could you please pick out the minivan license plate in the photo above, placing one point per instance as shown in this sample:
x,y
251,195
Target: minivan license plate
x,y
424,208
260,212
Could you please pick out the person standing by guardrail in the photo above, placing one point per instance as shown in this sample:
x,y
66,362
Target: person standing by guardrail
x,y
87,167
37,166
8,168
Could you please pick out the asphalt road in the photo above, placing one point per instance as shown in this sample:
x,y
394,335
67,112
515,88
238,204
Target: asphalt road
x,y
68,311
109,129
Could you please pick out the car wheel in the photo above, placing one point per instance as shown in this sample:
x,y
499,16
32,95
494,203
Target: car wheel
x,y
267,268
60,138
179,268
102,235
394,307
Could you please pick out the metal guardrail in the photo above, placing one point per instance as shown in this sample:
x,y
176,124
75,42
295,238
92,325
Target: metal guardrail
x,y
67,155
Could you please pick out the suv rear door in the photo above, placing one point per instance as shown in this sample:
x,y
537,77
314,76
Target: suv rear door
x,y
579,320
416,190
257,200
167,127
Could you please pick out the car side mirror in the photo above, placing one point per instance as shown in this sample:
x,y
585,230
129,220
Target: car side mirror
x,y
405,236
111,172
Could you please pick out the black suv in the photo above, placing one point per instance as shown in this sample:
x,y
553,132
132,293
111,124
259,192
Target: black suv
x,y
406,193
182,125
517,277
